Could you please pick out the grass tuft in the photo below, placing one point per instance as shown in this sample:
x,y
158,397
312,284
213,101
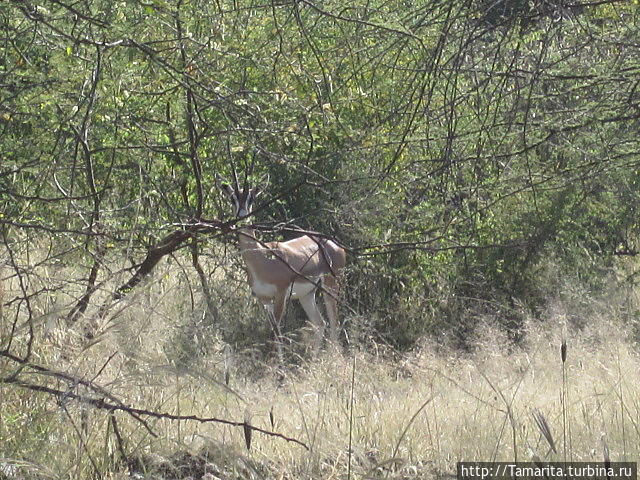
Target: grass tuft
x,y
543,426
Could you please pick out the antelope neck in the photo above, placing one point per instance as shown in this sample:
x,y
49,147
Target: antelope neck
x,y
250,248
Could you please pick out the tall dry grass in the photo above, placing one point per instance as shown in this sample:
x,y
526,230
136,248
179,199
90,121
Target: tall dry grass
x,y
392,416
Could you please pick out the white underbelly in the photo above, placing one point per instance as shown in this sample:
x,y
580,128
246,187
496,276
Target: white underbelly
x,y
261,289
302,289
296,290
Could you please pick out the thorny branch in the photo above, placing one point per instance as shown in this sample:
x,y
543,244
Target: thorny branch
x,y
108,402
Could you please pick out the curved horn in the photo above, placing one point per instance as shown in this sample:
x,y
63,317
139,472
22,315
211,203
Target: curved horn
x,y
235,177
264,181
245,183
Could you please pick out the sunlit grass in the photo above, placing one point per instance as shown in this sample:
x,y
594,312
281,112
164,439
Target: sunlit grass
x,y
415,415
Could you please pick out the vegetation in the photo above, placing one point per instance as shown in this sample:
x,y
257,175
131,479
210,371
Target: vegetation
x,y
414,415
478,160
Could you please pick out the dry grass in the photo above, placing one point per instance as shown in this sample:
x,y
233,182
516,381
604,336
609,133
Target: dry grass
x,y
414,416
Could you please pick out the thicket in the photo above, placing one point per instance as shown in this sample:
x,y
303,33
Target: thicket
x,y
468,154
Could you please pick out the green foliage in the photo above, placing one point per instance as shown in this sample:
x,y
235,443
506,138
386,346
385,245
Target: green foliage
x,y
464,146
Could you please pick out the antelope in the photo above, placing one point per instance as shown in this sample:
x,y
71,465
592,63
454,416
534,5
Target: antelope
x,y
298,268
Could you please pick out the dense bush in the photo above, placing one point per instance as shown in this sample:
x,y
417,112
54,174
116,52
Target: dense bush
x,y
454,150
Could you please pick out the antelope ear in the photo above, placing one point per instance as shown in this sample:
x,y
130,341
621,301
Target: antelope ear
x,y
227,189
223,185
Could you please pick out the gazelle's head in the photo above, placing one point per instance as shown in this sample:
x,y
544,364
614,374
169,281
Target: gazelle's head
x,y
241,200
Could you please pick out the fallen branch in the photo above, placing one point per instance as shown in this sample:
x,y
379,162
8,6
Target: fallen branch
x,y
102,404
66,377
